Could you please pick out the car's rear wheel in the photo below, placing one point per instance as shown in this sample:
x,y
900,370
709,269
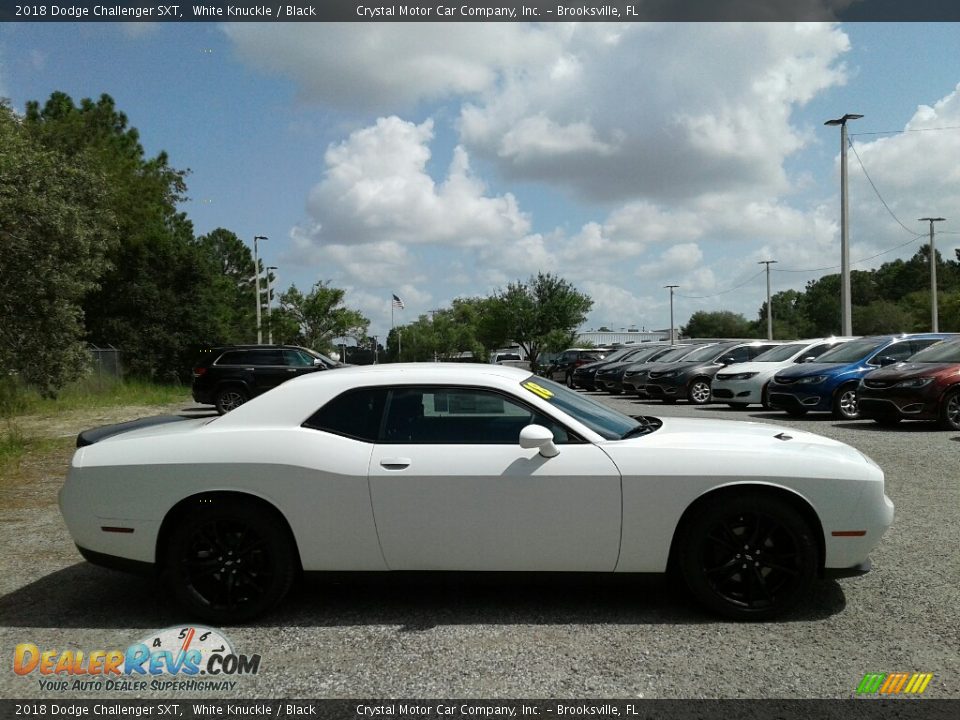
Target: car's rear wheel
x,y
570,381
845,403
230,398
699,391
950,410
748,557
228,561
765,397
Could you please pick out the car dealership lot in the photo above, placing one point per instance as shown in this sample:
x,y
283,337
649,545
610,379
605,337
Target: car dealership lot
x,y
532,637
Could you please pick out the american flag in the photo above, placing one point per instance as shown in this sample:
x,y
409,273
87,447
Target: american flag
x,y
397,302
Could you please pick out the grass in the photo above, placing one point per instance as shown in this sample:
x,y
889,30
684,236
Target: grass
x,y
88,393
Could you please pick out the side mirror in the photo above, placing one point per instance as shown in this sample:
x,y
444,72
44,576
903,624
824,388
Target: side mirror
x,y
317,362
728,360
885,360
809,358
537,436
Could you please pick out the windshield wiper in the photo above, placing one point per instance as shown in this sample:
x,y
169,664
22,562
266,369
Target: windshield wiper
x,y
644,427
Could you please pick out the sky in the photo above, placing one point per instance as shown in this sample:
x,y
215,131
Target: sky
x,y
442,160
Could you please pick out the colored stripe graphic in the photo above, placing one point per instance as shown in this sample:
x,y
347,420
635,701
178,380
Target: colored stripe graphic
x,y
894,683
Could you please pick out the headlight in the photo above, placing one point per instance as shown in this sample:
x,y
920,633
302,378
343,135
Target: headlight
x,y
812,380
670,373
915,382
740,376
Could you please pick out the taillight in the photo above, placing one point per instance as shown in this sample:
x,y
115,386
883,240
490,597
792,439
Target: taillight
x,y
198,371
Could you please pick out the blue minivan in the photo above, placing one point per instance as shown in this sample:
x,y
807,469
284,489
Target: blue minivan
x,y
830,383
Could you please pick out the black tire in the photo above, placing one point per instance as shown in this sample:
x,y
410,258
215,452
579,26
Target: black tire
x,y
950,410
765,397
570,381
698,392
230,397
725,551
229,561
845,403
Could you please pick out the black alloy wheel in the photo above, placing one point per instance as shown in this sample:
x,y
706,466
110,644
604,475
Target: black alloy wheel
x,y
748,557
765,397
230,398
228,561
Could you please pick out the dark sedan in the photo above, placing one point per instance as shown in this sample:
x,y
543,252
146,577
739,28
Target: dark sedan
x,y
584,376
690,378
635,375
610,376
925,387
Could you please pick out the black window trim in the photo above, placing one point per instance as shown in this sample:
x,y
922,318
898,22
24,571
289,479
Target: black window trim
x,y
574,438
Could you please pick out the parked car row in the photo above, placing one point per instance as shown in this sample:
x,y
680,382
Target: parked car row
x,y
886,378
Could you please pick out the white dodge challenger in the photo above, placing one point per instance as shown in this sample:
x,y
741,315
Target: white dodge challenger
x,y
467,467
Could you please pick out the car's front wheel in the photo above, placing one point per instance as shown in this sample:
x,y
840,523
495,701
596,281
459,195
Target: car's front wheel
x,y
699,391
748,557
228,561
950,410
230,398
845,403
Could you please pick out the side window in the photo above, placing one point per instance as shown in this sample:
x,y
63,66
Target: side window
x,y
297,358
354,414
740,354
446,416
265,357
814,352
918,345
757,350
233,357
897,351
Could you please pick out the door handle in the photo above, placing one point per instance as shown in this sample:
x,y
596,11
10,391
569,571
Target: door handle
x,y
398,463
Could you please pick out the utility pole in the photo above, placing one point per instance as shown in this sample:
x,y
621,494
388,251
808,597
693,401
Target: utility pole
x,y
672,338
846,315
256,267
934,320
769,308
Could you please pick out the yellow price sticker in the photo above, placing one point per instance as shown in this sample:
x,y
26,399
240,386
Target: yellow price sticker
x,y
538,390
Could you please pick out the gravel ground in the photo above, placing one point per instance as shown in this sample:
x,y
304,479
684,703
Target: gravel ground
x,y
507,638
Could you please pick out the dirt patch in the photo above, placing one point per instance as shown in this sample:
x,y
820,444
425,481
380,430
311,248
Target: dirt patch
x,y
33,480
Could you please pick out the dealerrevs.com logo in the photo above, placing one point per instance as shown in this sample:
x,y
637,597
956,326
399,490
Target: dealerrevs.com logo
x,y
175,659
894,684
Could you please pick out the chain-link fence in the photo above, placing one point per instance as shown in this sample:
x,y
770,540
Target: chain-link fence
x,y
105,361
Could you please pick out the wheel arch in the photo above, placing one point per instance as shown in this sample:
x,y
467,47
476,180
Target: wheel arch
x,y
188,504
795,500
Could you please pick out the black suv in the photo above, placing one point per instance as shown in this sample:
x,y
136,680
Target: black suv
x,y
229,376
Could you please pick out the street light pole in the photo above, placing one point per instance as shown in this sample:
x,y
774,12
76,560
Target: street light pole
x,y
269,298
671,287
256,268
846,314
934,320
769,308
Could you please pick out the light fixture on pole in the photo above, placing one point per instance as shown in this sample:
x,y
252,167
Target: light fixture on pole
x,y
769,308
934,319
846,315
269,299
671,287
256,268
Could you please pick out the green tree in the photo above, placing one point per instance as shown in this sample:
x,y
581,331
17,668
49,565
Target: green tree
x,y
154,298
539,315
719,324
54,233
316,319
880,318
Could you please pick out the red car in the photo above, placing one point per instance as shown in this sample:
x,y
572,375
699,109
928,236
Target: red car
x,y
925,387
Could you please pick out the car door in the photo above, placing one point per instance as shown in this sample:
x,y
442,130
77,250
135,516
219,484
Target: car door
x,y
299,362
453,490
268,367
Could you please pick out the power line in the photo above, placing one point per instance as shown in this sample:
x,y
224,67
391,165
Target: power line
x,y
901,132
883,202
736,287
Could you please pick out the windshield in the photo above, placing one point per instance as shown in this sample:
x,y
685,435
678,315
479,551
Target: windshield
x,y
645,354
329,362
677,353
780,353
851,351
617,355
605,421
945,352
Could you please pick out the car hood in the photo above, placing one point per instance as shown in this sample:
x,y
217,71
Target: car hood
x,y
736,447
808,369
761,368
909,370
